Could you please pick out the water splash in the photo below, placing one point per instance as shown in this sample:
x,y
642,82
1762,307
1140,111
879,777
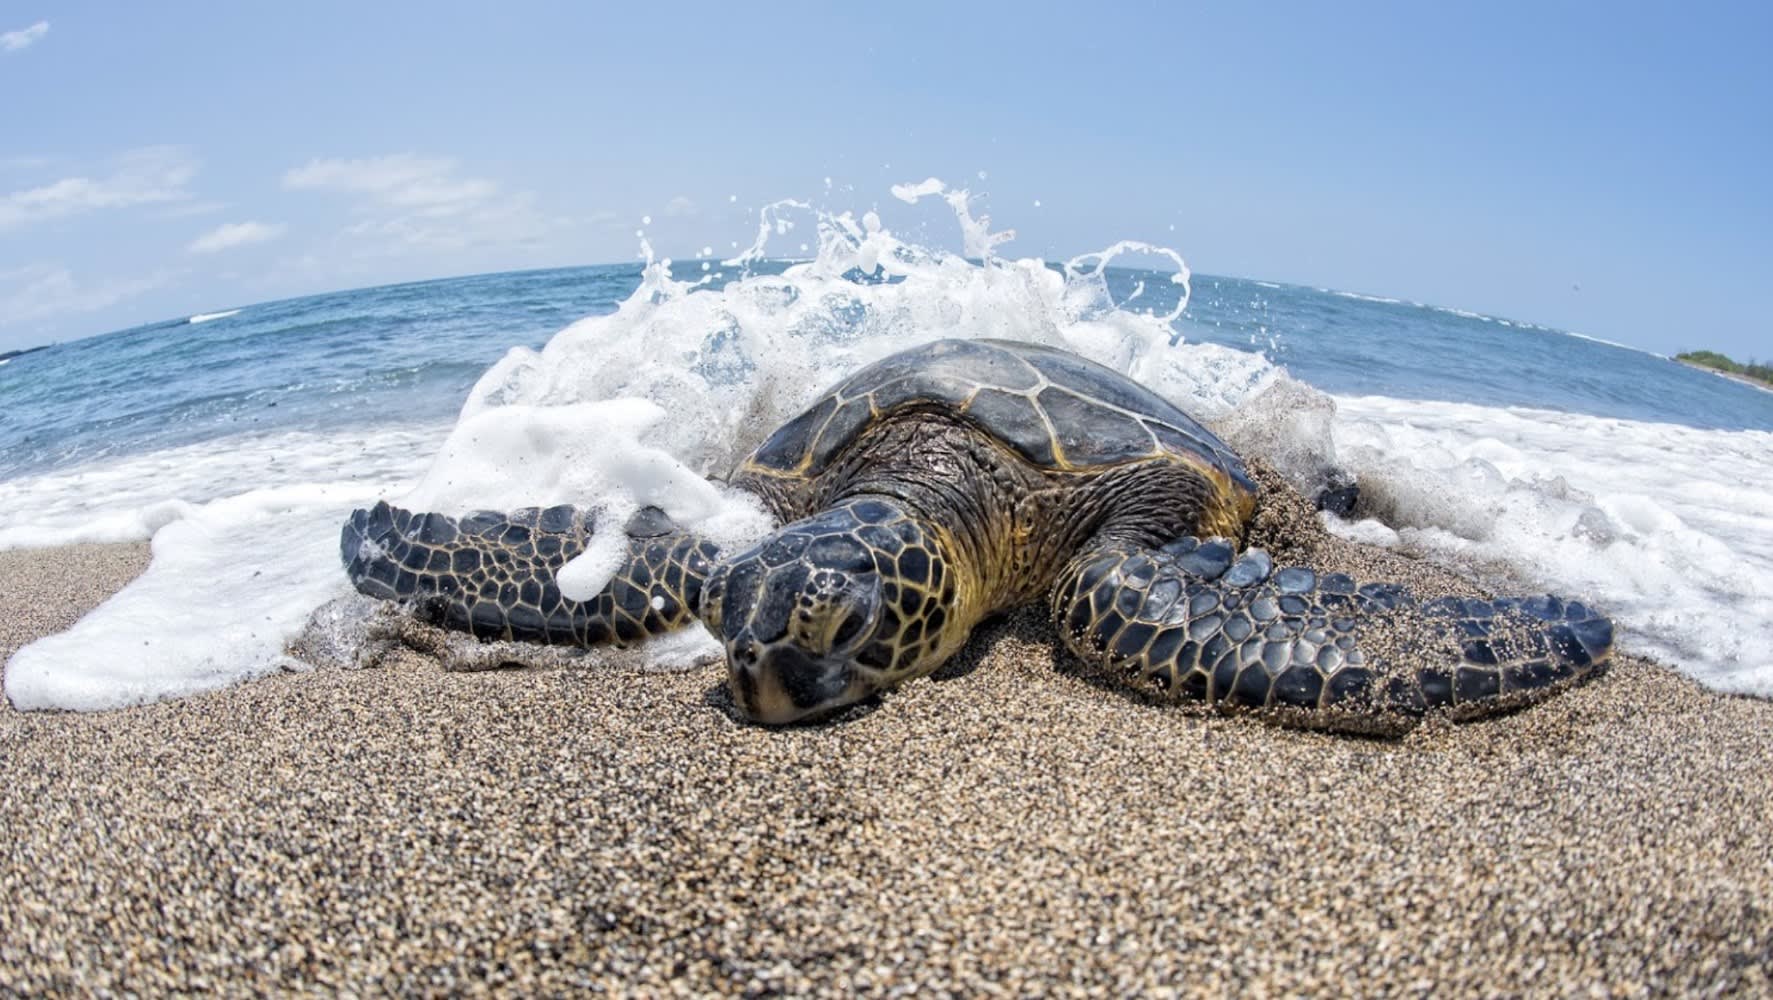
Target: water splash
x,y
977,239
641,406
689,372
723,365
1089,272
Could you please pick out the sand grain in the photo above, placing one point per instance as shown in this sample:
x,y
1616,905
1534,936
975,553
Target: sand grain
x,y
1005,828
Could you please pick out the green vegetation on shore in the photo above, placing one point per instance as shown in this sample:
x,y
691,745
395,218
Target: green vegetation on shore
x,y
1712,359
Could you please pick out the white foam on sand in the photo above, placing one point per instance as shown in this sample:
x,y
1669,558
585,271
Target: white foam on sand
x,y
229,582
245,545
1668,529
1665,527
617,411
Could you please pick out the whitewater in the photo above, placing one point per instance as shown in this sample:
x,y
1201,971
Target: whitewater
x,y
1533,459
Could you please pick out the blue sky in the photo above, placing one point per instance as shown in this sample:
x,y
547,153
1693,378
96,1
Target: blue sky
x,y
1598,167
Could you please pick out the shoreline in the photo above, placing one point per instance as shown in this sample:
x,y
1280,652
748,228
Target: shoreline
x,y
1004,826
1747,380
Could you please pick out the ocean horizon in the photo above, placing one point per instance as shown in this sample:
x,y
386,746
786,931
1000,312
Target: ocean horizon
x,y
1525,454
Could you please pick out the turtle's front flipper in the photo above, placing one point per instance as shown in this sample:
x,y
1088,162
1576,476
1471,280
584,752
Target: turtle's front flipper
x,y
1316,649
493,574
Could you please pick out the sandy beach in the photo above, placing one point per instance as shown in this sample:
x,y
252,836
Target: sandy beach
x,y
1003,828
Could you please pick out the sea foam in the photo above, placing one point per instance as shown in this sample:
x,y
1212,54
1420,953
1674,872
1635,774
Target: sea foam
x,y
644,405
245,545
618,411
1667,528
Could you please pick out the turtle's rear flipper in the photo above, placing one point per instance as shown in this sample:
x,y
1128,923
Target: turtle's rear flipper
x,y
1316,649
493,574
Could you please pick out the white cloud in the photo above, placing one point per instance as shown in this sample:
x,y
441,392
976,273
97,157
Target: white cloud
x,y
235,234
401,181
680,207
411,204
153,175
12,41
43,291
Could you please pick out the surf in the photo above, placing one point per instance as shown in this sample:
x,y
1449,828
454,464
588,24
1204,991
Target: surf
x,y
701,359
211,317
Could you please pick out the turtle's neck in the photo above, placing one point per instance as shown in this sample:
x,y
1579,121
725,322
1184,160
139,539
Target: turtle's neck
x,y
960,484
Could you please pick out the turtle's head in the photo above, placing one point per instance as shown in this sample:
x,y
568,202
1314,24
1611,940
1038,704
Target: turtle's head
x,y
813,618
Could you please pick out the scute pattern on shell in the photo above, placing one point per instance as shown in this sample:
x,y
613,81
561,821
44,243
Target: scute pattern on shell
x,y
1054,409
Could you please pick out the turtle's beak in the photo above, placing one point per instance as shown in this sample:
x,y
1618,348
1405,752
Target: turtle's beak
x,y
794,613
781,684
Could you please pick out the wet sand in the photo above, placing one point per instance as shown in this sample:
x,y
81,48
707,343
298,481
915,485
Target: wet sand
x,y
1003,828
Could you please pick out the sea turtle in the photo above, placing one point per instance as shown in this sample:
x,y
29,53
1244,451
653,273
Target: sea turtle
x,y
962,478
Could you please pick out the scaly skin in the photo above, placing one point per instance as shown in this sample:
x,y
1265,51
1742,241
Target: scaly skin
x,y
921,524
995,531
493,575
855,599
1315,649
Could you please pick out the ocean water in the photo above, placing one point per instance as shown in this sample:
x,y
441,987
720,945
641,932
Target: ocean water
x,y
237,439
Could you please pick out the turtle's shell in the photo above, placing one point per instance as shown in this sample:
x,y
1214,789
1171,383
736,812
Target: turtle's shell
x,y
1055,409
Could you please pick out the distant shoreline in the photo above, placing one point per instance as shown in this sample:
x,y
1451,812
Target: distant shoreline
x,y
1747,380
9,355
